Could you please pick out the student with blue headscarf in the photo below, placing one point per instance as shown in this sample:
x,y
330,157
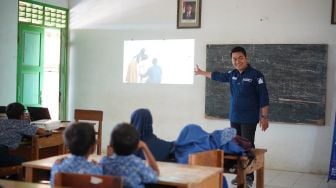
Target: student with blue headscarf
x,y
193,139
142,120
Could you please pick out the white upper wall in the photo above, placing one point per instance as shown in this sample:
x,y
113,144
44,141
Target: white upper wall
x,y
59,3
8,45
96,54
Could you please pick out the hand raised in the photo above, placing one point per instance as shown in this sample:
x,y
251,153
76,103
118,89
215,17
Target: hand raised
x,y
197,70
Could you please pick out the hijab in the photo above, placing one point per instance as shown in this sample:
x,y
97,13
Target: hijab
x,y
142,120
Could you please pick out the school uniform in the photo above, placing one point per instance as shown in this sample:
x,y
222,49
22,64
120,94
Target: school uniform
x,y
75,164
132,169
11,133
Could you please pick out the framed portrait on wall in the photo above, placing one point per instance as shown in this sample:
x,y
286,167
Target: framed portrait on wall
x,y
333,12
189,13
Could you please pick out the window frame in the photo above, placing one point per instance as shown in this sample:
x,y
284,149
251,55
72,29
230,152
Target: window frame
x,y
63,83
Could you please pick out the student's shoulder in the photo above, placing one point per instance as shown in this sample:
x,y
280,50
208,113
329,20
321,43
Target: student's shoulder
x,y
10,121
57,166
135,159
115,159
15,122
105,159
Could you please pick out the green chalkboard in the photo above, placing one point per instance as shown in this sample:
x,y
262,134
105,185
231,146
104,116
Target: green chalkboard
x,y
295,75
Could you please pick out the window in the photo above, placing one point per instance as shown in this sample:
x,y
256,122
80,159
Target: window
x,y
42,15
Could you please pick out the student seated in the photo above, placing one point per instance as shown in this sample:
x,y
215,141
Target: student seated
x,y
162,150
11,132
81,140
121,161
193,139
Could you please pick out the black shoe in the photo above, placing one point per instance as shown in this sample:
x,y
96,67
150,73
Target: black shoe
x,y
234,181
249,181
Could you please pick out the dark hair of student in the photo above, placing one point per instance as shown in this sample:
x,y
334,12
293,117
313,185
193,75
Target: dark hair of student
x,y
238,49
124,139
79,137
15,110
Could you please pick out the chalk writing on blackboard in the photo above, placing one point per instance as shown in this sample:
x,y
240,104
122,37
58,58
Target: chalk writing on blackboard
x,y
295,76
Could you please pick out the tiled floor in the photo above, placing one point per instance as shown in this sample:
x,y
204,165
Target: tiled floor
x,y
283,179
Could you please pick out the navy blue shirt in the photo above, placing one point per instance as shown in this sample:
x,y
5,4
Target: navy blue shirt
x,y
248,93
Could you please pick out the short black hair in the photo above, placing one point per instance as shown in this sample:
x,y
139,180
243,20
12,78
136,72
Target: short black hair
x,y
124,139
79,137
15,110
189,3
238,49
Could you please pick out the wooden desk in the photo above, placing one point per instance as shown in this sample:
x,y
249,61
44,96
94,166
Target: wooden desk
x,y
257,165
21,184
171,174
38,147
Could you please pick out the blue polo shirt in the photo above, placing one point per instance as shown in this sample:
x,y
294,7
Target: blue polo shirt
x,y
248,93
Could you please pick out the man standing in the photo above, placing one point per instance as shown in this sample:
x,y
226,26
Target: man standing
x,y
153,73
249,97
132,75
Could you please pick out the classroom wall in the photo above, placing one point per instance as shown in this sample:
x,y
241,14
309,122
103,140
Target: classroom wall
x,y
95,65
8,46
58,3
96,55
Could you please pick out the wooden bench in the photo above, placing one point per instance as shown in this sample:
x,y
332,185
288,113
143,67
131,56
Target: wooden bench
x,y
12,170
214,158
87,180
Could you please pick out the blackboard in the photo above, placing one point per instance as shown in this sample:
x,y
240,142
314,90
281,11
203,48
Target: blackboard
x,y
295,75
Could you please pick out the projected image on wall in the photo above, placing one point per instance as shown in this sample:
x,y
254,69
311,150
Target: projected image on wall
x,y
159,61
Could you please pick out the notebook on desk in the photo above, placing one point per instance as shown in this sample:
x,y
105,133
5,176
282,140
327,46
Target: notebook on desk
x,y
38,113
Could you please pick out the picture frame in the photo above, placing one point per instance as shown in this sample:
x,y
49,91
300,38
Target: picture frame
x,y
189,14
333,12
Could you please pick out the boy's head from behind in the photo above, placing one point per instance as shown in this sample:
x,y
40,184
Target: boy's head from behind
x,y
15,110
124,139
80,138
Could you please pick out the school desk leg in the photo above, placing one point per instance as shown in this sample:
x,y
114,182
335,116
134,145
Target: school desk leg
x,y
29,174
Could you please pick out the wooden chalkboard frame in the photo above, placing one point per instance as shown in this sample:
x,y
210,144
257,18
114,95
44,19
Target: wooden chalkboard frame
x,y
333,12
295,75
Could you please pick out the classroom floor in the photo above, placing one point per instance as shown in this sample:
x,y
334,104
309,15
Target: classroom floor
x,y
283,179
